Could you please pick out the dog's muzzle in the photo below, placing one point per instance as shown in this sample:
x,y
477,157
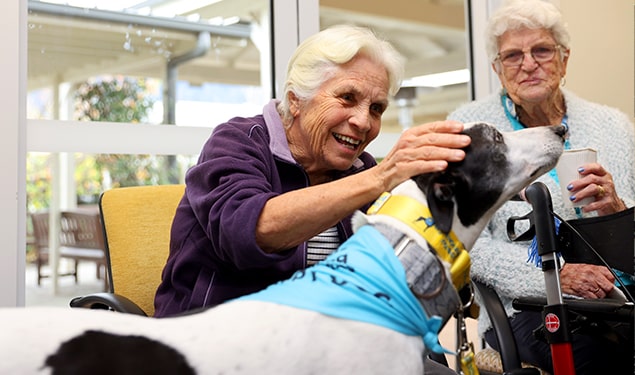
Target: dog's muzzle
x,y
435,287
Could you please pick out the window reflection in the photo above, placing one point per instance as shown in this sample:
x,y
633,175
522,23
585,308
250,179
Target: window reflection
x,y
432,37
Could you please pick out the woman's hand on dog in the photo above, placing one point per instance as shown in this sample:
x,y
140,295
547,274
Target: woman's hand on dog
x,y
423,149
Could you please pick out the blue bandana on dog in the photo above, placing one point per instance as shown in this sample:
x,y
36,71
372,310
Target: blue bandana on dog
x,y
363,280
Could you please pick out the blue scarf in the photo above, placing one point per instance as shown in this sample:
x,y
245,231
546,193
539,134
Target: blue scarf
x,y
364,281
510,112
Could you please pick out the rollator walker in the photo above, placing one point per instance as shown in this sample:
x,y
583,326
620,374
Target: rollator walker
x,y
556,311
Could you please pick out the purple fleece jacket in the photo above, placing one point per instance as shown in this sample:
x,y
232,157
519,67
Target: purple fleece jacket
x,y
213,252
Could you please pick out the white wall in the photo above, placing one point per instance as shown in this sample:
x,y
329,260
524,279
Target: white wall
x,y
12,152
601,67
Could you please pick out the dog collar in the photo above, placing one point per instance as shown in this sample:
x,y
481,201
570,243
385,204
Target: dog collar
x,y
418,217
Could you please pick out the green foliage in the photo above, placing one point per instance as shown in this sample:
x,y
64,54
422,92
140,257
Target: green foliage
x,y
115,100
88,177
38,187
112,99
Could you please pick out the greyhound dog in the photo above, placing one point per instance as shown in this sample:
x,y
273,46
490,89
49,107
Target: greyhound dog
x,y
374,306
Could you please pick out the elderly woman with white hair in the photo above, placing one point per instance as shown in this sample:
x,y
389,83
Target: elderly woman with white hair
x,y
528,46
274,193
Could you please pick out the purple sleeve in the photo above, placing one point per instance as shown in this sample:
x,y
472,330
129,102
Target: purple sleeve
x,y
227,189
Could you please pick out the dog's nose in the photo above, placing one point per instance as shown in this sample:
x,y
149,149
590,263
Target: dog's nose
x,y
560,130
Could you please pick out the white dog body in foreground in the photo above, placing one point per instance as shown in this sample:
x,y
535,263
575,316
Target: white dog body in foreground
x,y
249,337
368,309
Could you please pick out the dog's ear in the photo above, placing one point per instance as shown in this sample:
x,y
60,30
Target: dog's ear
x,y
440,196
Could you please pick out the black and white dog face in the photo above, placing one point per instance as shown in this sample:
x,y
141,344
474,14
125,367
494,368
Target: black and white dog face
x,y
496,167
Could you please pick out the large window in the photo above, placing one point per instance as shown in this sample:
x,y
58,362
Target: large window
x,y
125,93
178,63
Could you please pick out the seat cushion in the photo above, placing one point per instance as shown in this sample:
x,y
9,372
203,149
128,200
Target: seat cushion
x,y
489,360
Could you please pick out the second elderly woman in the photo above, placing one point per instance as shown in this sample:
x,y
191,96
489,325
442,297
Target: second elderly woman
x,y
528,46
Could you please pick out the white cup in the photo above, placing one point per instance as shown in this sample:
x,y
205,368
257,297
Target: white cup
x,y
567,170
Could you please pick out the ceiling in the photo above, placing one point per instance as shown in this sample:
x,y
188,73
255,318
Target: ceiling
x,y
70,44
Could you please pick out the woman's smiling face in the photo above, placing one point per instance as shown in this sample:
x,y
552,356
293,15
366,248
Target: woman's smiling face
x,y
331,129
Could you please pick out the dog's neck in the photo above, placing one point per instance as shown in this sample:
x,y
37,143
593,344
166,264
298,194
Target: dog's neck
x,y
466,235
405,209
418,217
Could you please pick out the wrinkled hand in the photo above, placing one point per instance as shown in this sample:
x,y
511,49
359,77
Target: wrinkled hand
x,y
423,149
596,182
586,280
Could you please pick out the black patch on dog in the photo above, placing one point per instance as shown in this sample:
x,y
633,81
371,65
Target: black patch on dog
x,y
485,162
97,353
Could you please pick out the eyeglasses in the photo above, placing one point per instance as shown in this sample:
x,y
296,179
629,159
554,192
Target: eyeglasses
x,y
515,57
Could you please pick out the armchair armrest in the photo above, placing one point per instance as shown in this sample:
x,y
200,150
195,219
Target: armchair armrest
x,y
107,301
